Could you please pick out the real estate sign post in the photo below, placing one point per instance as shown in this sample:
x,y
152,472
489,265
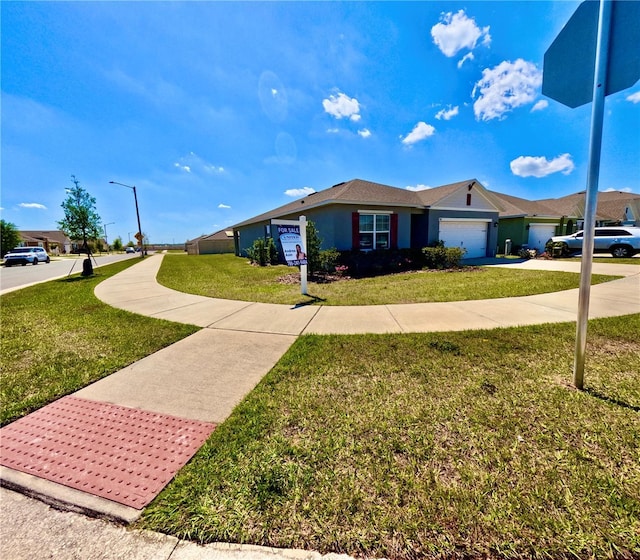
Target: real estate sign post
x,y
293,238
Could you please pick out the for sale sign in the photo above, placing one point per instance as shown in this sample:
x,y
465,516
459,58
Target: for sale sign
x,y
294,252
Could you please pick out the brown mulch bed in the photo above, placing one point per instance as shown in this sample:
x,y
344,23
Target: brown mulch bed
x,y
326,278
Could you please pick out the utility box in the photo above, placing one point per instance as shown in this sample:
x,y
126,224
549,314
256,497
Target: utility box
x,y
507,247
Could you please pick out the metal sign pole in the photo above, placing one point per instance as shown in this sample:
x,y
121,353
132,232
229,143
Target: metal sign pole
x,y
303,267
595,145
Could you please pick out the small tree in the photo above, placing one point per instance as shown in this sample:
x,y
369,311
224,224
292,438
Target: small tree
x,y
117,244
314,242
10,237
81,221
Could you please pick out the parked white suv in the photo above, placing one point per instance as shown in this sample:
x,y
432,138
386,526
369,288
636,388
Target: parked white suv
x,y
25,255
620,241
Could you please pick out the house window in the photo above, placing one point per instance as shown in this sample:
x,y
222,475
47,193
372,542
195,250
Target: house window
x,y
374,231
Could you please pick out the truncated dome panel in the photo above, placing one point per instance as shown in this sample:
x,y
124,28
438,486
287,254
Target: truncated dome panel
x,y
123,454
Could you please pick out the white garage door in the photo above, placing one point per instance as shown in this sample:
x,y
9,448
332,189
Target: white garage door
x,y
539,234
471,236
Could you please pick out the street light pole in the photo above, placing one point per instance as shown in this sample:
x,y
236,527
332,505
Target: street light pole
x,y
106,239
135,197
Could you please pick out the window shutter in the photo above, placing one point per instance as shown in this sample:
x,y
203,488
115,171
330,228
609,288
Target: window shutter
x,y
394,231
355,231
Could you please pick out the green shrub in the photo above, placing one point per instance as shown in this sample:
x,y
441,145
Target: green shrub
x,y
440,257
557,249
329,259
314,242
263,252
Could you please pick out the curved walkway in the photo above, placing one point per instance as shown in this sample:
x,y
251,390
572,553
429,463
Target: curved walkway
x,y
204,376
137,290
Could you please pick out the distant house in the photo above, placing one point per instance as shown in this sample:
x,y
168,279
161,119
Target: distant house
x,y
218,242
531,223
614,208
54,241
526,223
362,216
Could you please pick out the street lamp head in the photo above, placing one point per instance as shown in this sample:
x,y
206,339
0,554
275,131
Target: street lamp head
x,y
135,197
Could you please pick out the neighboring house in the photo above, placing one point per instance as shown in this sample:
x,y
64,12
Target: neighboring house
x,y
216,243
54,242
530,224
614,208
361,215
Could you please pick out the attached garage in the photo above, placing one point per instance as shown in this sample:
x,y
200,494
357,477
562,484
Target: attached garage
x,y
539,234
467,234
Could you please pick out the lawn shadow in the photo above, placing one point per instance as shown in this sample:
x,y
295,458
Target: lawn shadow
x,y
612,400
77,277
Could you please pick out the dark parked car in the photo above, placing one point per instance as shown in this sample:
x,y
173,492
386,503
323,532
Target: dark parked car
x,y
620,241
26,255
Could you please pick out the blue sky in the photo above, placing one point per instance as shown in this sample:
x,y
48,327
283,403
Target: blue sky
x,y
218,111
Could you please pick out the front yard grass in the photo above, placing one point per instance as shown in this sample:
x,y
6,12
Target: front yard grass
x,y
439,445
230,277
57,337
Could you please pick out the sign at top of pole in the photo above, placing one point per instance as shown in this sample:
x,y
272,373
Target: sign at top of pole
x,y
569,63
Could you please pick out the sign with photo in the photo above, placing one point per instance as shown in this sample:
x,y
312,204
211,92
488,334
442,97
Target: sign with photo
x,y
294,252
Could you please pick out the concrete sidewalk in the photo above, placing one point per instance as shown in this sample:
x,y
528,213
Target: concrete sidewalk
x,y
136,290
204,376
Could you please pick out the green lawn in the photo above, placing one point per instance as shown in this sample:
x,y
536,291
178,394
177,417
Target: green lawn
x,y
450,445
57,337
230,277
439,445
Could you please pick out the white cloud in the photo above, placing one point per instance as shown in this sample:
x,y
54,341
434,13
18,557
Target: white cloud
x,y
468,56
529,166
333,130
342,106
504,88
634,97
223,205
447,114
540,105
213,168
32,205
193,163
456,32
417,188
365,133
421,131
300,192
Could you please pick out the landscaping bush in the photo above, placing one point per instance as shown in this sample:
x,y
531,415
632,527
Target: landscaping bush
x,y
314,242
263,252
526,253
329,259
440,257
382,261
557,249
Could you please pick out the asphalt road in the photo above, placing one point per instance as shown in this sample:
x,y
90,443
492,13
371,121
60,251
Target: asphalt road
x,y
16,277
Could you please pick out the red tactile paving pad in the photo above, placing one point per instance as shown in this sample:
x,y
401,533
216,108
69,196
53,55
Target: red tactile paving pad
x,y
123,454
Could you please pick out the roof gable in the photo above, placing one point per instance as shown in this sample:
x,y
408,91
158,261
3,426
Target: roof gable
x,y
455,196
